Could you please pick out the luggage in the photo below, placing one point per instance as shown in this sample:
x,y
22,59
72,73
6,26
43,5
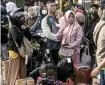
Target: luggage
x,y
82,74
4,71
26,81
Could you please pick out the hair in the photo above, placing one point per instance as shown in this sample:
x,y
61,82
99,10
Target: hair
x,y
26,4
50,1
94,5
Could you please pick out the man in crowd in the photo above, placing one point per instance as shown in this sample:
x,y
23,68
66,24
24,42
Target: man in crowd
x,y
32,13
91,20
99,39
49,29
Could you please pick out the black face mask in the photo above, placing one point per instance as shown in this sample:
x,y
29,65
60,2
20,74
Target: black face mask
x,y
81,23
94,13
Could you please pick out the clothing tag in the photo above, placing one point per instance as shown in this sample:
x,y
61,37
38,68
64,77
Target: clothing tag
x,y
68,60
47,51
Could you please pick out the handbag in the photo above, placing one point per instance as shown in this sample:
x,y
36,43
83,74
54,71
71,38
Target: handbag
x,y
86,58
26,49
66,51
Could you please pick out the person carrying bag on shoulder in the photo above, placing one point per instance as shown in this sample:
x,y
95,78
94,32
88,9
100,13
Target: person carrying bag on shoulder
x,y
17,67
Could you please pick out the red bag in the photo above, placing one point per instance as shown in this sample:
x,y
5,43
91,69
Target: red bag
x,y
68,82
82,75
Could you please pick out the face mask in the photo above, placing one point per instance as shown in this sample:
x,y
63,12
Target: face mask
x,y
94,13
81,23
44,12
22,22
56,2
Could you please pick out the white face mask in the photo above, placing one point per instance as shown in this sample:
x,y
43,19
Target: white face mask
x,y
56,2
44,12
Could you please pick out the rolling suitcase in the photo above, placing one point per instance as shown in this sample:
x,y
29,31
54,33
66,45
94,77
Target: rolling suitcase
x,y
82,74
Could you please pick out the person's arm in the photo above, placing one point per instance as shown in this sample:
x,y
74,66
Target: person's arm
x,y
26,32
101,65
46,30
96,71
62,27
100,43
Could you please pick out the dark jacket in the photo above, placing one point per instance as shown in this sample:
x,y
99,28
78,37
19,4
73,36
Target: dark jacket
x,y
4,29
89,26
4,35
18,36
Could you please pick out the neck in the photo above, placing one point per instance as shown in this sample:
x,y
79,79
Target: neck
x,y
50,14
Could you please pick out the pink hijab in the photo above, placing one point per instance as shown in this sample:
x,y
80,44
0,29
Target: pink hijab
x,y
66,29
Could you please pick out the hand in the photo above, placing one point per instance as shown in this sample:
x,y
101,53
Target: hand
x,y
23,27
95,72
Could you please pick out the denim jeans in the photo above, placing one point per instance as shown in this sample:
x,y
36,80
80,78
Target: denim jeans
x,y
102,77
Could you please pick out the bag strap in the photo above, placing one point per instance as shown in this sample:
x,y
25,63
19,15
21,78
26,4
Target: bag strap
x,y
97,36
49,23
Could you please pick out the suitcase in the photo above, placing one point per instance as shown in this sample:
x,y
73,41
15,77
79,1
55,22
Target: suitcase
x,y
4,71
25,81
82,74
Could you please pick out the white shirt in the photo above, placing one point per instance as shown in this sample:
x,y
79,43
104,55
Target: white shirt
x,y
10,6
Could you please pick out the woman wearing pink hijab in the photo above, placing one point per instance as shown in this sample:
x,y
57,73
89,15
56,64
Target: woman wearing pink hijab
x,y
70,34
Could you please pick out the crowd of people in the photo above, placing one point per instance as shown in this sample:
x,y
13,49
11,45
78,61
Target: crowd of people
x,y
67,31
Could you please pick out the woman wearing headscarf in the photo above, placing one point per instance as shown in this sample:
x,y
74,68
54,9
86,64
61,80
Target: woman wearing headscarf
x,y
43,12
17,67
70,35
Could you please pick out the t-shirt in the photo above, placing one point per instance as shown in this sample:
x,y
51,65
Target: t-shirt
x,y
54,27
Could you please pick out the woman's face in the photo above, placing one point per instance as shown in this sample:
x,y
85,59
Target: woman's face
x,y
71,18
31,11
99,12
44,11
22,20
